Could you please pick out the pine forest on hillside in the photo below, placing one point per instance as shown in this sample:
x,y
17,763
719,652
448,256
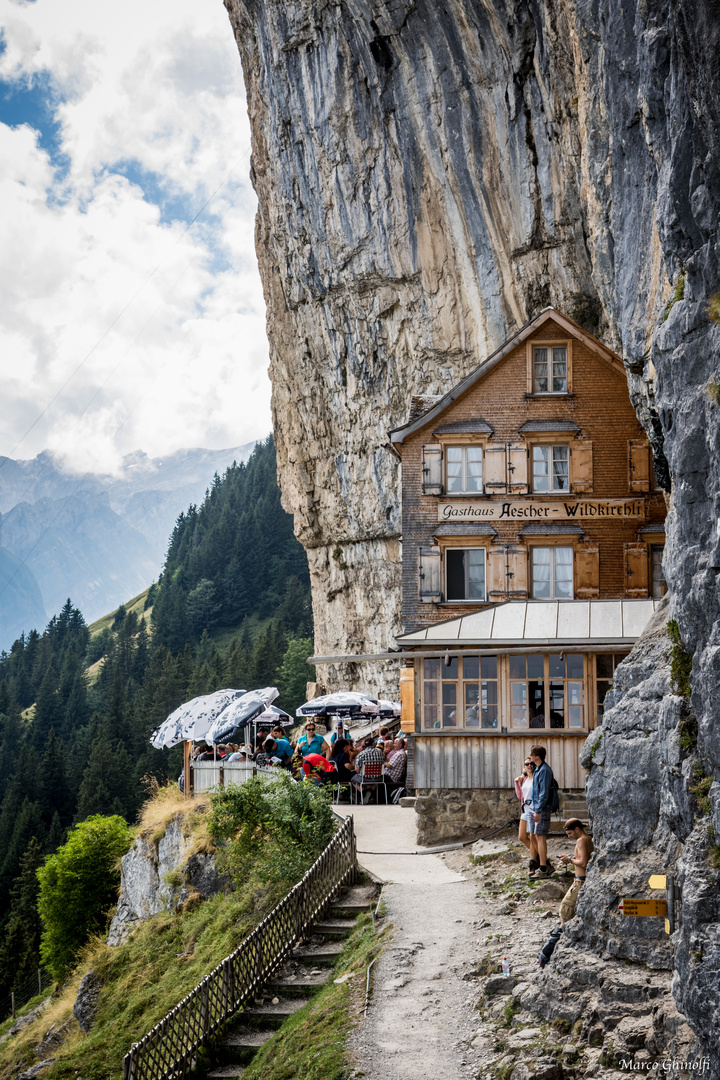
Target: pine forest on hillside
x,y
231,608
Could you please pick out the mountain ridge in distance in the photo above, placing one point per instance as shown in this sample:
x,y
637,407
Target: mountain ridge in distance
x,y
97,539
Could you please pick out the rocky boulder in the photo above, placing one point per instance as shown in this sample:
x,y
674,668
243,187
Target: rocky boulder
x,y
86,1002
160,877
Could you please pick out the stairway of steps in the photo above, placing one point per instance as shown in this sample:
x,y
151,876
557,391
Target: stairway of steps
x,y
307,970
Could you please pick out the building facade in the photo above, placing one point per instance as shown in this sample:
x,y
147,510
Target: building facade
x,y
533,533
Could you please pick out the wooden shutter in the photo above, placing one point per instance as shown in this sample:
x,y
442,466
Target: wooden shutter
x,y
432,479
496,581
430,586
407,699
582,466
587,573
495,470
636,571
518,468
518,566
639,464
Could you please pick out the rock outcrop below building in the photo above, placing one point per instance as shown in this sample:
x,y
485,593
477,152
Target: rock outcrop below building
x,y
430,176
160,875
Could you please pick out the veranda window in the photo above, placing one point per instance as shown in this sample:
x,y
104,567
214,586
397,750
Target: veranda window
x,y
463,466
461,693
547,691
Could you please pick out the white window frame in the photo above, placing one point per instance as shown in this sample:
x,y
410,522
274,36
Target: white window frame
x,y
551,489
464,489
549,349
466,599
553,549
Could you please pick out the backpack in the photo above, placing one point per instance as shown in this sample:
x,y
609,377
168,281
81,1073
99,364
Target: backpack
x,y
549,947
554,804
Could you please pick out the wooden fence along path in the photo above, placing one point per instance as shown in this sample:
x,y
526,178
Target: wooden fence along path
x,y
166,1052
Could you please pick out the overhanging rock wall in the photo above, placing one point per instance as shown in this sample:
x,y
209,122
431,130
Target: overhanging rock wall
x,y
430,176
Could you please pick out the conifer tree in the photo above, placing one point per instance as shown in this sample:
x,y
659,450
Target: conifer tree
x,y
20,947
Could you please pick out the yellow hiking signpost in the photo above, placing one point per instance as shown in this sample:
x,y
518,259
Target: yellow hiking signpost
x,y
644,907
651,908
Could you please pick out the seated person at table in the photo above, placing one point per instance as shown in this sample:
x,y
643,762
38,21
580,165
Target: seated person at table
x,y
369,755
341,760
310,742
396,766
238,755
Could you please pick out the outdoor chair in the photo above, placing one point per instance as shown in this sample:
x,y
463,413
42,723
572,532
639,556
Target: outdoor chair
x,y
371,777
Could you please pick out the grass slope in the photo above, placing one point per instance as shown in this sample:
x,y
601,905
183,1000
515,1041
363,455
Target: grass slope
x,y
147,975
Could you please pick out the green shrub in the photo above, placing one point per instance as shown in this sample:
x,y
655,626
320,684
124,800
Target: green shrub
x,y
284,823
677,294
701,788
713,308
713,389
77,886
688,732
680,661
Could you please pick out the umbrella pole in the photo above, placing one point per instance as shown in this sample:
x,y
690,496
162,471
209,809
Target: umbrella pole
x,y
187,770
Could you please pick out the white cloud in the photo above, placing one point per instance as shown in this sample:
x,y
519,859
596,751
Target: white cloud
x,y
98,270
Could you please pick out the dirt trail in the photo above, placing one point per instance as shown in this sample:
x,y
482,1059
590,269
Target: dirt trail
x,y
439,1007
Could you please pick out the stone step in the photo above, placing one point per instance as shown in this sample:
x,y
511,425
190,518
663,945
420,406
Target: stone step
x,y
246,1040
407,801
320,955
338,928
227,1071
273,1015
350,910
302,984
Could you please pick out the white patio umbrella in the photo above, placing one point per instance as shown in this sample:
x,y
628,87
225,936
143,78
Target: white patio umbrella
x,y
238,713
192,719
341,703
388,709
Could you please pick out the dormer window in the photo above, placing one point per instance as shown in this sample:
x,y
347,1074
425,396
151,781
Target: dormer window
x,y
550,369
463,468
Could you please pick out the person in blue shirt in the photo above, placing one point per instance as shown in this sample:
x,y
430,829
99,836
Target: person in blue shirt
x,y
309,742
283,748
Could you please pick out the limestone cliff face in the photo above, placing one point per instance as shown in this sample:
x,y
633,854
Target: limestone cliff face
x,y
429,176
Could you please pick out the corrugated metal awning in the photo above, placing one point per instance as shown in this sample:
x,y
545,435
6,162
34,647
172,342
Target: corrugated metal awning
x,y
540,622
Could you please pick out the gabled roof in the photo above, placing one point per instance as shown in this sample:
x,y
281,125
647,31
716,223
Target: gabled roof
x,y
540,622
398,435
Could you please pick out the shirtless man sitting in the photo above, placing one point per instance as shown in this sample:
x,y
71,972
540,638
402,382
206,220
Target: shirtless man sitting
x,y
584,848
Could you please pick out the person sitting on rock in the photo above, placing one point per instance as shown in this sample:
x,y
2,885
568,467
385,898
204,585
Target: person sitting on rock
x,y
584,848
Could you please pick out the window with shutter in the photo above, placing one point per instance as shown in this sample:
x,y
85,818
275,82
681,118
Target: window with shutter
x,y
518,468
432,459
495,470
636,571
639,465
496,574
430,565
582,466
465,574
587,573
518,578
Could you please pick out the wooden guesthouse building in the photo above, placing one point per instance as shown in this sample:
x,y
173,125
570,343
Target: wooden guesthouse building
x,y
533,533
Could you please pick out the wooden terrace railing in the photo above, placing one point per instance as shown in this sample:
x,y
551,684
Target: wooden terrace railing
x,y
166,1052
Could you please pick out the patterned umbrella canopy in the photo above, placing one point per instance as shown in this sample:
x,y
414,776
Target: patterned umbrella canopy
x,y
341,703
239,713
388,708
273,715
192,720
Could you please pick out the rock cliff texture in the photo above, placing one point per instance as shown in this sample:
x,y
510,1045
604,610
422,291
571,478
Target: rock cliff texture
x,y
429,176
159,876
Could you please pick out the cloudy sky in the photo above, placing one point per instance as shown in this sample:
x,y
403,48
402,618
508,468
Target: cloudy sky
x,y
131,312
